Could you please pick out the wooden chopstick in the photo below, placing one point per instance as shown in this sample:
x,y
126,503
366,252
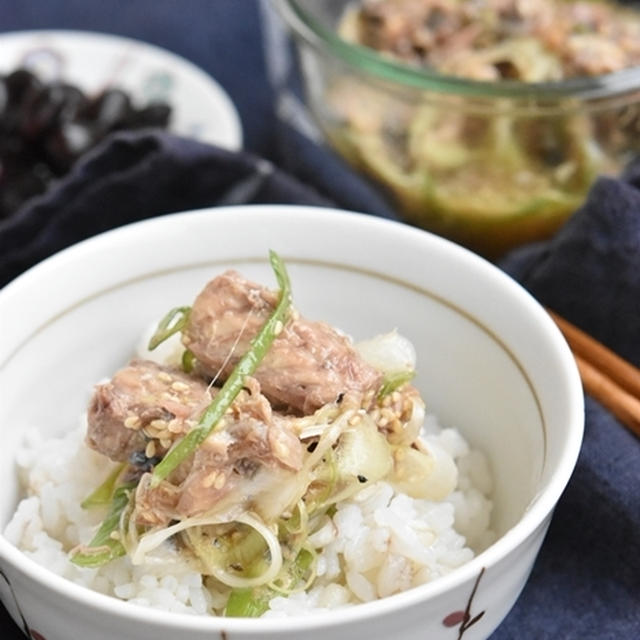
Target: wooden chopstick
x,y
607,377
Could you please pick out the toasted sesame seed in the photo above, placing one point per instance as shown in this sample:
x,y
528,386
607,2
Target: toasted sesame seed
x,y
367,398
163,376
165,443
132,422
355,419
210,479
158,424
174,426
150,449
180,386
219,482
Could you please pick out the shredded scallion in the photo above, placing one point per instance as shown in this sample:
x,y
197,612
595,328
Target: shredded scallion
x,y
174,321
248,603
105,545
188,361
393,381
103,495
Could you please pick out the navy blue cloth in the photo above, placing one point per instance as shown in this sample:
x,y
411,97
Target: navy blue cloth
x,y
586,581
133,176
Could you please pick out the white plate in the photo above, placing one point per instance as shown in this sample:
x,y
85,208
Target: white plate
x,y
93,61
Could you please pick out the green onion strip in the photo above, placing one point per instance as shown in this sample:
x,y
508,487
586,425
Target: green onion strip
x,y
103,495
300,573
174,321
235,382
393,381
106,545
248,602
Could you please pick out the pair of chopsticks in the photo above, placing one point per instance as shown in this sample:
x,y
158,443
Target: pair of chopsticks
x,y
606,377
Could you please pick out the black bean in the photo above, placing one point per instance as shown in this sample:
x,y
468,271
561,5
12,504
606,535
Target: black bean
x,y
45,128
22,86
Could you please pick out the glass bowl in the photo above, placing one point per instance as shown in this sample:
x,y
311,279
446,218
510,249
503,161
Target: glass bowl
x,y
491,165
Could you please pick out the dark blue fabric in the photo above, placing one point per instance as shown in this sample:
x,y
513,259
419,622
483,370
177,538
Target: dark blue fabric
x,y
134,176
586,581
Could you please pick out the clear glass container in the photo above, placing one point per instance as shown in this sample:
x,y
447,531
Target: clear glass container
x,y
491,165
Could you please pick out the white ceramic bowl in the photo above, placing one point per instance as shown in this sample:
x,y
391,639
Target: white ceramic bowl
x,y
491,362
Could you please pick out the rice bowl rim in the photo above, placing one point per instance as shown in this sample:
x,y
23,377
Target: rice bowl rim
x,y
535,517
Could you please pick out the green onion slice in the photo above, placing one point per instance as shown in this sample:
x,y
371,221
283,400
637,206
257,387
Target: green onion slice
x,y
393,381
103,495
188,361
174,321
248,603
235,382
298,575
105,546
253,602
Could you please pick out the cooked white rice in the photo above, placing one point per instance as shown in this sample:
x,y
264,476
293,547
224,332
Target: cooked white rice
x,y
378,543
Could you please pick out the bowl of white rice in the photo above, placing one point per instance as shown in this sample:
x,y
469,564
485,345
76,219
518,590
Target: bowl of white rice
x,y
501,413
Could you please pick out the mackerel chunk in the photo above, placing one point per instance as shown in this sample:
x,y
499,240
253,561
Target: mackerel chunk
x,y
308,365
145,408
142,402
